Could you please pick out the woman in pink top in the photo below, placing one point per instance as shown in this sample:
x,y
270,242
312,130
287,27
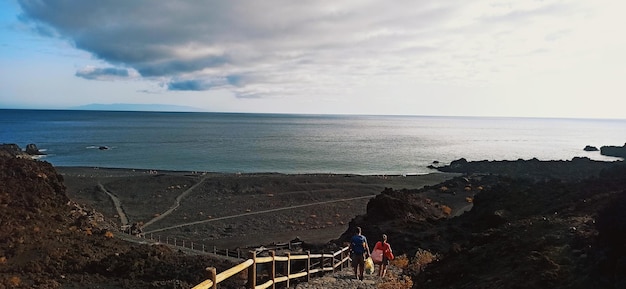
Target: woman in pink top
x,y
386,248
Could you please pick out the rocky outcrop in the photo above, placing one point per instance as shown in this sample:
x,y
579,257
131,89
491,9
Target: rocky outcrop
x,y
48,241
520,233
589,148
614,151
576,168
32,149
13,150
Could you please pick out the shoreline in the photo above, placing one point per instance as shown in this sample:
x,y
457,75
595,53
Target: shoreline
x,y
191,172
231,209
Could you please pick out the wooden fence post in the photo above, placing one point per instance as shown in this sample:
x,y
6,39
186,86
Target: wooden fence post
x,y
322,264
308,266
252,271
332,261
273,268
212,276
288,268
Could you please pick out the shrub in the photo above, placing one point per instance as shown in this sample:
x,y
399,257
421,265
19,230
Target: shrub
x,y
401,262
422,259
395,282
15,281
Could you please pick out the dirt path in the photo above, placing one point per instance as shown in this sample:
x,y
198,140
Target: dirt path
x,y
257,213
176,204
117,204
462,210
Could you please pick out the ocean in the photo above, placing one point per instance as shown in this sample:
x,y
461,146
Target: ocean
x,y
291,144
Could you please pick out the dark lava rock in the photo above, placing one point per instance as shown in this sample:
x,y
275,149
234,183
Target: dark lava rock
x,y
521,232
48,241
614,151
32,149
577,168
11,150
589,148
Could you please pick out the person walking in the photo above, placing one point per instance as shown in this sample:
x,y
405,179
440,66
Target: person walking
x,y
359,250
383,246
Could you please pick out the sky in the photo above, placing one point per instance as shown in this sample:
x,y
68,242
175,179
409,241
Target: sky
x,y
528,58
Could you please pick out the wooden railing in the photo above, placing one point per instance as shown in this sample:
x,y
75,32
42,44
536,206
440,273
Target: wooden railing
x,y
232,253
310,265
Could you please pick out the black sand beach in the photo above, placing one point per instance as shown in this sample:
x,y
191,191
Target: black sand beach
x,y
232,210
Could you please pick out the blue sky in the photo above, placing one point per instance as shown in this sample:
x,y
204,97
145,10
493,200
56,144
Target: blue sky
x,y
530,58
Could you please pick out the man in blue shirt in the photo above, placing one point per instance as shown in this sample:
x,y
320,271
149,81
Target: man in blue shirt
x,y
360,250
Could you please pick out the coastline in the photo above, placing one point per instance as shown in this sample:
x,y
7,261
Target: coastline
x,y
227,210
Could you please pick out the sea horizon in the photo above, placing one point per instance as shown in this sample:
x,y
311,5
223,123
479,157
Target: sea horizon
x,y
314,114
230,142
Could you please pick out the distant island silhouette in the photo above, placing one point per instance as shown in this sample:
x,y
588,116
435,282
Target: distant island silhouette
x,y
137,107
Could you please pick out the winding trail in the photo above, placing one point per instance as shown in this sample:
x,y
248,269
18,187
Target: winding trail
x,y
256,213
176,204
117,204
462,210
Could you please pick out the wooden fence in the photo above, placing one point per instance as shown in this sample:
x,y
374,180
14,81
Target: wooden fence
x,y
309,265
233,253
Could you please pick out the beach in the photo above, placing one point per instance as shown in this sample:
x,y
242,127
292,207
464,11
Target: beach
x,y
232,211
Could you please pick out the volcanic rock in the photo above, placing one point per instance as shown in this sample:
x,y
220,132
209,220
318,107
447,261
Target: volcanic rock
x,y
48,241
32,149
614,151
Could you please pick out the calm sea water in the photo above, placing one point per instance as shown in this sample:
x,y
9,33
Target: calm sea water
x,y
221,142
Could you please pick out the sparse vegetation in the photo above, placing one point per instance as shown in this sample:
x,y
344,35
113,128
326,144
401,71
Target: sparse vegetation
x,y
401,262
421,260
15,281
446,210
392,281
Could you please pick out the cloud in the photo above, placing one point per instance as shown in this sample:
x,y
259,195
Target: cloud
x,y
109,73
194,85
285,48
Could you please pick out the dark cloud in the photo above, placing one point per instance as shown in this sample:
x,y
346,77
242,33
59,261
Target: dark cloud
x,y
103,73
193,85
180,66
140,34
